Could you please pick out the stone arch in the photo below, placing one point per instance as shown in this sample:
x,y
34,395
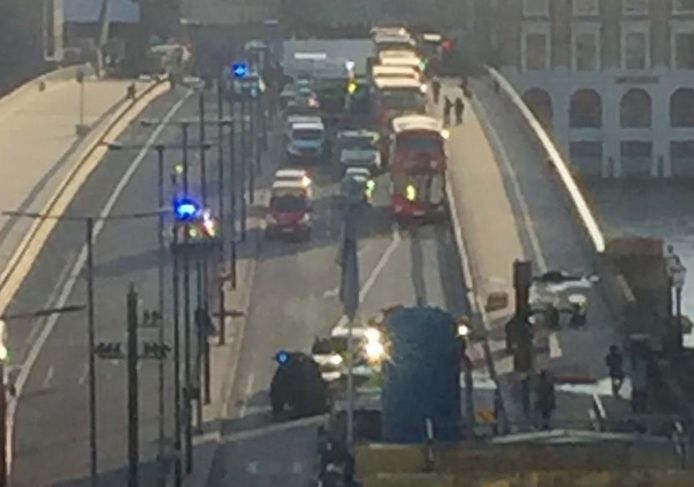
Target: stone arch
x,y
540,103
586,109
682,108
635,109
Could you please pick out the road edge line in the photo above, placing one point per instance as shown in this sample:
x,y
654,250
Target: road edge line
x,y
471,292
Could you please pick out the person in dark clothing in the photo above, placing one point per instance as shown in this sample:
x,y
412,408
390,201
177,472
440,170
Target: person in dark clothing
x,y
436,88
447,107
545,401
459,109
615,365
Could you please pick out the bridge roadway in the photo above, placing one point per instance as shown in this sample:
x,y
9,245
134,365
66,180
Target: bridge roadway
x,y
293,298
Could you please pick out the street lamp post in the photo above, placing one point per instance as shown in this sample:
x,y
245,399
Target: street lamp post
x,y
81,129
4,355
89,245
349,294
90,348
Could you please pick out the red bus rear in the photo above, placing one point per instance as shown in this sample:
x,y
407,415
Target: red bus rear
x,y
417,167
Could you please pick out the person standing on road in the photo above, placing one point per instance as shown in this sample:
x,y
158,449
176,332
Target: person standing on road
x,y
545,401
436,89
447,107
615,365
459,110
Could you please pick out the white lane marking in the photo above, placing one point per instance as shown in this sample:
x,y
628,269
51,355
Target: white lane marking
x,y
84,374
371,280
252,467
247,394
520,197
554,345
331,293
53,296
49,377
38,345
296,467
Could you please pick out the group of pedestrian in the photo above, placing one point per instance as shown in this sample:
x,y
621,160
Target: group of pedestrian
x,y
545,400
448,106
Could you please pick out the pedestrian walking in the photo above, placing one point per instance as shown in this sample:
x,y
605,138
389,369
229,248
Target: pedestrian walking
x,y
436,88
459,110
545,400
447,107
615,365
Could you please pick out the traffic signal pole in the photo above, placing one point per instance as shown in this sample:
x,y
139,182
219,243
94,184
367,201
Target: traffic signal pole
x,y
188,432
3,427
161,385
133,413
222,219
178,467
244,163
233,185
93,457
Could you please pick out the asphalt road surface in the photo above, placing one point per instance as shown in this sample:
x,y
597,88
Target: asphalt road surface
x,y
295,298
50,424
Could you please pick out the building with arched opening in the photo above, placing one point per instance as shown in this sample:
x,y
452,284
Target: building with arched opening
x,y
613,79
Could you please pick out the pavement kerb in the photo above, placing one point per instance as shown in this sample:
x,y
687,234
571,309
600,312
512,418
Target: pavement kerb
x,y
23,257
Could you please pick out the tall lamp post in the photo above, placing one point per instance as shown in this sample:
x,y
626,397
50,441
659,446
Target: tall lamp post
x,y
89,248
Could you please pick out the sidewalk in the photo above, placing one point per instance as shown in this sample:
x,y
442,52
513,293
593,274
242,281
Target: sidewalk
x,y
39,145
497,229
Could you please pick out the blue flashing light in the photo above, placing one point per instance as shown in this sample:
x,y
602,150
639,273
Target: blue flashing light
x,y
186,209
239,70
282,358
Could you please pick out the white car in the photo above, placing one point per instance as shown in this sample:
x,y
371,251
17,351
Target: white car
x,y
296,175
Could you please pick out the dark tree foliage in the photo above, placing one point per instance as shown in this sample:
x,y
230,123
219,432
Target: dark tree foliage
x,y
21,45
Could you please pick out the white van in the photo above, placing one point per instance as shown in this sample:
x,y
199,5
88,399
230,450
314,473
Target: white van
x,y
306,141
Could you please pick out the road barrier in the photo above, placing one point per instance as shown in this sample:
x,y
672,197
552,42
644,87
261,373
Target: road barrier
x,y
579,202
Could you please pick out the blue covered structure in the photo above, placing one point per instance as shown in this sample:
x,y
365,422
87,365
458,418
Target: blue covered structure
x,y
422,378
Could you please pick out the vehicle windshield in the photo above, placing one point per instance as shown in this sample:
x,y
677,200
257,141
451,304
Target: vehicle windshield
x,y
359,143
307,134
288,203
402,99
419,143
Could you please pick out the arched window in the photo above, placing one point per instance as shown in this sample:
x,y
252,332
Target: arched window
x,y
682,108
540,103
586,109
635,109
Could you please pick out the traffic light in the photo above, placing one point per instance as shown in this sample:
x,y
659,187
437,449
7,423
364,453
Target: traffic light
x,y
239,70
186,209
108,350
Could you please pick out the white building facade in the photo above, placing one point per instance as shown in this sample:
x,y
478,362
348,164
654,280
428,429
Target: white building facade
x,y
613,79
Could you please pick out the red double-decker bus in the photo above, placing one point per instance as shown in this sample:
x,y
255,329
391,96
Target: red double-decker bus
x,y
418,163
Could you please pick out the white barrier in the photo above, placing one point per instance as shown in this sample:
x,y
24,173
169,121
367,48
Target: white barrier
x,y
584,212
